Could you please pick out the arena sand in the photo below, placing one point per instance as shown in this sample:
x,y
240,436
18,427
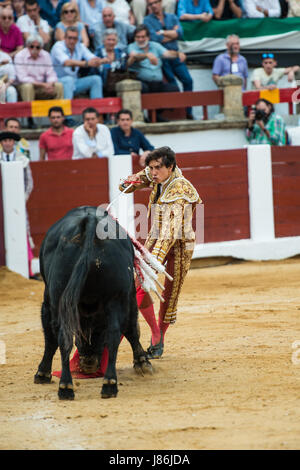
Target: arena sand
x,y
229,377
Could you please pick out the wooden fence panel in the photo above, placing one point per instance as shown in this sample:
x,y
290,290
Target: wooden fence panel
x,y
286,190
59,186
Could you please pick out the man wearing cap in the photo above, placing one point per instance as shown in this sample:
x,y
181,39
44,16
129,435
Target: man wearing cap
x,y
9,153
268,76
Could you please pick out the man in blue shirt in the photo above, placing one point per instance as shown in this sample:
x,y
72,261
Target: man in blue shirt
x,y
68,56
145,58
50,11
125,31
231,62
165,29
194,10
128,140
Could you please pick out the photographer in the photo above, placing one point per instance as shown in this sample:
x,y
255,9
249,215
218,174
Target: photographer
x,y
264,126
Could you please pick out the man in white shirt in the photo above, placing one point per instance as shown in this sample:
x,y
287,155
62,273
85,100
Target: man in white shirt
x,y
91,139
268,76
262,8
32,23
9,153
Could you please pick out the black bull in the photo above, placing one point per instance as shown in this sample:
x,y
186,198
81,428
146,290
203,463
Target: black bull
x,y
89,294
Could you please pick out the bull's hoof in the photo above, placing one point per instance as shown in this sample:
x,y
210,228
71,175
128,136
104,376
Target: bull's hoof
x,y
142,366
42,377
109,388
66,392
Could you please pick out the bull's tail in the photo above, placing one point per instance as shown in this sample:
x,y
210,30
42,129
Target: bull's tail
x,y
68,305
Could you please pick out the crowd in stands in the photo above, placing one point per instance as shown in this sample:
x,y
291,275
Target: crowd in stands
x,y
54,49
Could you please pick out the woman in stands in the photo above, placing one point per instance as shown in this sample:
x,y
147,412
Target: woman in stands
x,y
11,38
70,17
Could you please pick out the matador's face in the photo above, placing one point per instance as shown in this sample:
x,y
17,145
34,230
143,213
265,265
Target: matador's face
x,y
159,171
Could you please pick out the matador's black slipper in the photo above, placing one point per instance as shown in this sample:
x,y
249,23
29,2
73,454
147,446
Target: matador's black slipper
x,y
156,351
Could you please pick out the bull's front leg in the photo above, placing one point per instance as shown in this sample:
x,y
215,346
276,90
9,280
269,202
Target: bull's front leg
x,y
113,311
65,389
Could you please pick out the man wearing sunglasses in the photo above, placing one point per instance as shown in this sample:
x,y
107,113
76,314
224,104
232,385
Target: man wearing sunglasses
x,y
36,76
32,22
11,39
268,76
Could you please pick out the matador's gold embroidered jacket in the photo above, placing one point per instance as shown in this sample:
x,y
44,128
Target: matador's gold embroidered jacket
x,y
171,237
174,208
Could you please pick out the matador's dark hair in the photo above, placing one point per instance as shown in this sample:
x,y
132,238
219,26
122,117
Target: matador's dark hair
x,y
166,154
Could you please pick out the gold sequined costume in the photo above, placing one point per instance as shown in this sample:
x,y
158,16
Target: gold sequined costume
x,y
171,238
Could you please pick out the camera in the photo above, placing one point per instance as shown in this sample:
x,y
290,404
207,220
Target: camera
x,y
260,115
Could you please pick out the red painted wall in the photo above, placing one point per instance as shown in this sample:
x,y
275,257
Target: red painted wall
x,y
59,186
286,190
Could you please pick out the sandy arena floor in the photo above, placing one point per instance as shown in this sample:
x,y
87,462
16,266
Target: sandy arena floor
x,y
229,378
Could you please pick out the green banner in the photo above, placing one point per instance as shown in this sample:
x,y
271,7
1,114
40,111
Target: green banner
x,y
244,28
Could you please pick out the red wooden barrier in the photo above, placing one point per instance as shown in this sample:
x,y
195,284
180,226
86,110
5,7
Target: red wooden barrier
x,y
74,107
154,101
281,95
221,178
286,190
59,186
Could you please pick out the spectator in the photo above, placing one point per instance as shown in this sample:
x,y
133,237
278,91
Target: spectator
x,y
226,9
91,139
70,17
264,126
11,39
10,153
284,8
18,8
113,66
56,142
7,77
32,23
231,62
267,76
128,140
139,8
90,11
262,8
50,10
125,31
121,10
35,73
293,8
12,124
145,60
68,56
194,10
165,28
